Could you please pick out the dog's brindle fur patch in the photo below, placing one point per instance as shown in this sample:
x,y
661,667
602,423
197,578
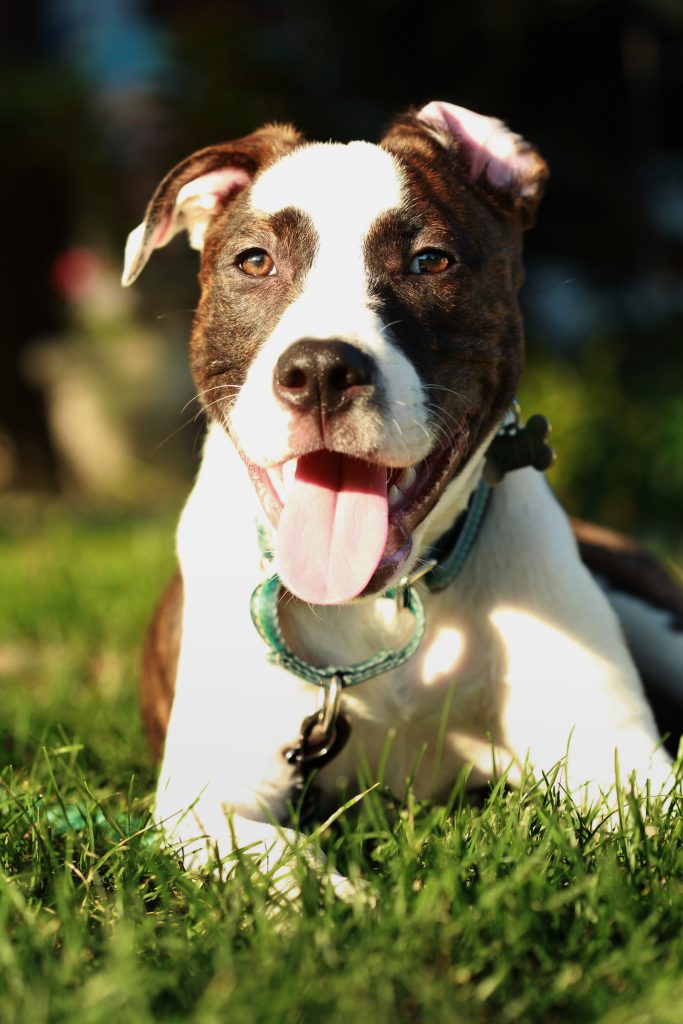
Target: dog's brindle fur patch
x,y
252,153
436,148
463,325
625,567
160,664
237,313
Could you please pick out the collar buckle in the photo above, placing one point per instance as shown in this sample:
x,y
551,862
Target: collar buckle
x,y
403,586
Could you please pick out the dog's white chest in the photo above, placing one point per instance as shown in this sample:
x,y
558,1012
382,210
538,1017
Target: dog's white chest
x,y
424,720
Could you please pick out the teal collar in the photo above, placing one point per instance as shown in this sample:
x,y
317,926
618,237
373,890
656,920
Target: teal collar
x,y
264,613
449,553
437,572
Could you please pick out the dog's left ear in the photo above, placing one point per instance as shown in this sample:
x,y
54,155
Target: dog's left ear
x,y
199,186
501,164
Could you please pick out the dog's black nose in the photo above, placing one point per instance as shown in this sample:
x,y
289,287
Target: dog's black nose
x,y
325,375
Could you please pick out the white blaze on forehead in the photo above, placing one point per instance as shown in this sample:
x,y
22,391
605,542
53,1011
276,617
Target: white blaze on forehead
x,y
343,190
342,186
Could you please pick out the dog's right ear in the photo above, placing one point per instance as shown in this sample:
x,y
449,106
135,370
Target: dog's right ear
x,y
198,187
504,168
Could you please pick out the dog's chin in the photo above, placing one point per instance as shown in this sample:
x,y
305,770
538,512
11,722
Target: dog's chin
x,y
413,491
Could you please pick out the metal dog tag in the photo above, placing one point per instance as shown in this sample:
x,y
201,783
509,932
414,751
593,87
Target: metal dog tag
x,y
323,735
315,748
515,447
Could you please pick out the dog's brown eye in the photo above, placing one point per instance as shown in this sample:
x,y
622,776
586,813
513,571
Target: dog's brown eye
x,y
256,263
430,261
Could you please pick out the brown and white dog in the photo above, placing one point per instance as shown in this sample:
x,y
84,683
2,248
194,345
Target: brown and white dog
x,y
356,346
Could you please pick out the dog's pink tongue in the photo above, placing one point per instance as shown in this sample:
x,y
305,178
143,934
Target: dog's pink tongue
x,y
333,528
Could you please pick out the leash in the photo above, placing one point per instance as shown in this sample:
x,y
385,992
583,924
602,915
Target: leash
x,y
324,733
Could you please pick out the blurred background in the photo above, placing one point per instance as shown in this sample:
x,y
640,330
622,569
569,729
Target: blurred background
x,y
98,100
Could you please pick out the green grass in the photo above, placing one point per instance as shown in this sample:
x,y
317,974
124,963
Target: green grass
x,y
515,908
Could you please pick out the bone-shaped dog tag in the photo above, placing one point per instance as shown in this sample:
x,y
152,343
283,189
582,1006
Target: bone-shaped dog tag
x,y
516,446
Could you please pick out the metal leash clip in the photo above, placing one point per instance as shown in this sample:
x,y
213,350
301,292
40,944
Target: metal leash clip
x,y
324,733
403,586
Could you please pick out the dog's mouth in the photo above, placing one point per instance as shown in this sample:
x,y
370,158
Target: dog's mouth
x,y
343,525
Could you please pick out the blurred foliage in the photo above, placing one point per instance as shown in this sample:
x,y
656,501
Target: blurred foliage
x,y
617,420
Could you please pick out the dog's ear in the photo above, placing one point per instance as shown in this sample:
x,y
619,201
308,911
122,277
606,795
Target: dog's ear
x,y
494,159
198,186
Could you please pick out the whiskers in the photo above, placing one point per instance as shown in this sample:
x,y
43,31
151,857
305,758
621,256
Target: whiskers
x,y
174,312
231,389
451,391
206,391
448,427
393,323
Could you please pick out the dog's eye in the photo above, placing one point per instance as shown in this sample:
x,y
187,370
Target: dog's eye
x,y
256,263
430,261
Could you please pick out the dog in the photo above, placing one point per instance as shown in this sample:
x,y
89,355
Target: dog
x,y
372,570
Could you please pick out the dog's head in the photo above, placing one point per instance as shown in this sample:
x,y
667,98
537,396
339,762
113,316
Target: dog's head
x,y
358,333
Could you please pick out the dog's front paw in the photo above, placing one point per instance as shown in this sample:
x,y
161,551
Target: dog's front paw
x,y
287,886
209,839
291,876
355,891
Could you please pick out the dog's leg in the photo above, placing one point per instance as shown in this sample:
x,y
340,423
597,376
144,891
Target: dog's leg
x,y
571,687
210,832
224,779
565,698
